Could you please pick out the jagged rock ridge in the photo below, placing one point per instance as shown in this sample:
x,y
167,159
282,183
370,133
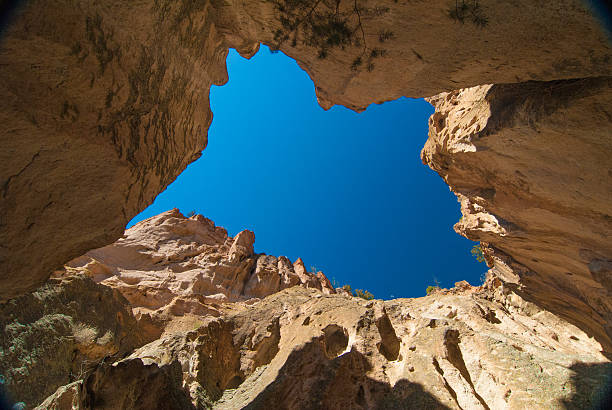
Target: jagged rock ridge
x,y
106,103
299,347
170,265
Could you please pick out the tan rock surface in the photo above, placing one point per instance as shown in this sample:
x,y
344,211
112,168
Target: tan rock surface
x,y
105,103
127,385
170,265
422,50
530,164
299,347
463,348
60,332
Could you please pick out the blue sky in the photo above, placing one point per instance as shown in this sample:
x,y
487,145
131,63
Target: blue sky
x,y
346,192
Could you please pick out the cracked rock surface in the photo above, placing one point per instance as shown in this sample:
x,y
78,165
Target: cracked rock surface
x,y
298,347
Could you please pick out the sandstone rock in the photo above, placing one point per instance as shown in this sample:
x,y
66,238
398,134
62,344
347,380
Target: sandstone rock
x,y
420,50
106,103
497,351
528,163
298,347
126,385
58,333
169,265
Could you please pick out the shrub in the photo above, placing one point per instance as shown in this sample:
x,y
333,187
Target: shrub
x,y
431,289
363,294
477,253
326,26
468,10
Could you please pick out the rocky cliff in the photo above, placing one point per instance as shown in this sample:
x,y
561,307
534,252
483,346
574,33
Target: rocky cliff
x,y
170,265
530,164
190,334
105,103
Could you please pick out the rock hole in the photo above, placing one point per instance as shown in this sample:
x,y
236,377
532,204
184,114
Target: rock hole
x,y
335,339
306,321
389,345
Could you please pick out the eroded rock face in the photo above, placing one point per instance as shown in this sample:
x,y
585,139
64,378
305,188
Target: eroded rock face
x,y
417,49
57,334
127,385
170,265
530,164
105,103
299,347
464,348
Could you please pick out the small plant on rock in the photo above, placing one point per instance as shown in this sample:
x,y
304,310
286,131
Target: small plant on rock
x,y
363,294
468,10
477,253
328,25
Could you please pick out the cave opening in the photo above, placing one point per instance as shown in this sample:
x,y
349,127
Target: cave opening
x,y
346,192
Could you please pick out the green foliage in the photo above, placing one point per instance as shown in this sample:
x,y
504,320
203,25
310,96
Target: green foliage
x,y
477,253
431,289
358,293
328,24
363,294
468,10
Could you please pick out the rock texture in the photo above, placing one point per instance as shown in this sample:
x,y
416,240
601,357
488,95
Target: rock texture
x,y
301,349
530,164
170,265
105,103
60,332
216,346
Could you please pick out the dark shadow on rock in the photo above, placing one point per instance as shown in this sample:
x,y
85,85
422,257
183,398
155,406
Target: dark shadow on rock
x,y
136,386
593,387
49,338
310,380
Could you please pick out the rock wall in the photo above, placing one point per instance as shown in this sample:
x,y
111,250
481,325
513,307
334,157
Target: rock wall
x,y
530,164
190,333
300,349
106,103
61,332
170,265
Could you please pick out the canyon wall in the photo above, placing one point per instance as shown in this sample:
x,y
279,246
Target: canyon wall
x,y
530,164
105,103
170,265
166,318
